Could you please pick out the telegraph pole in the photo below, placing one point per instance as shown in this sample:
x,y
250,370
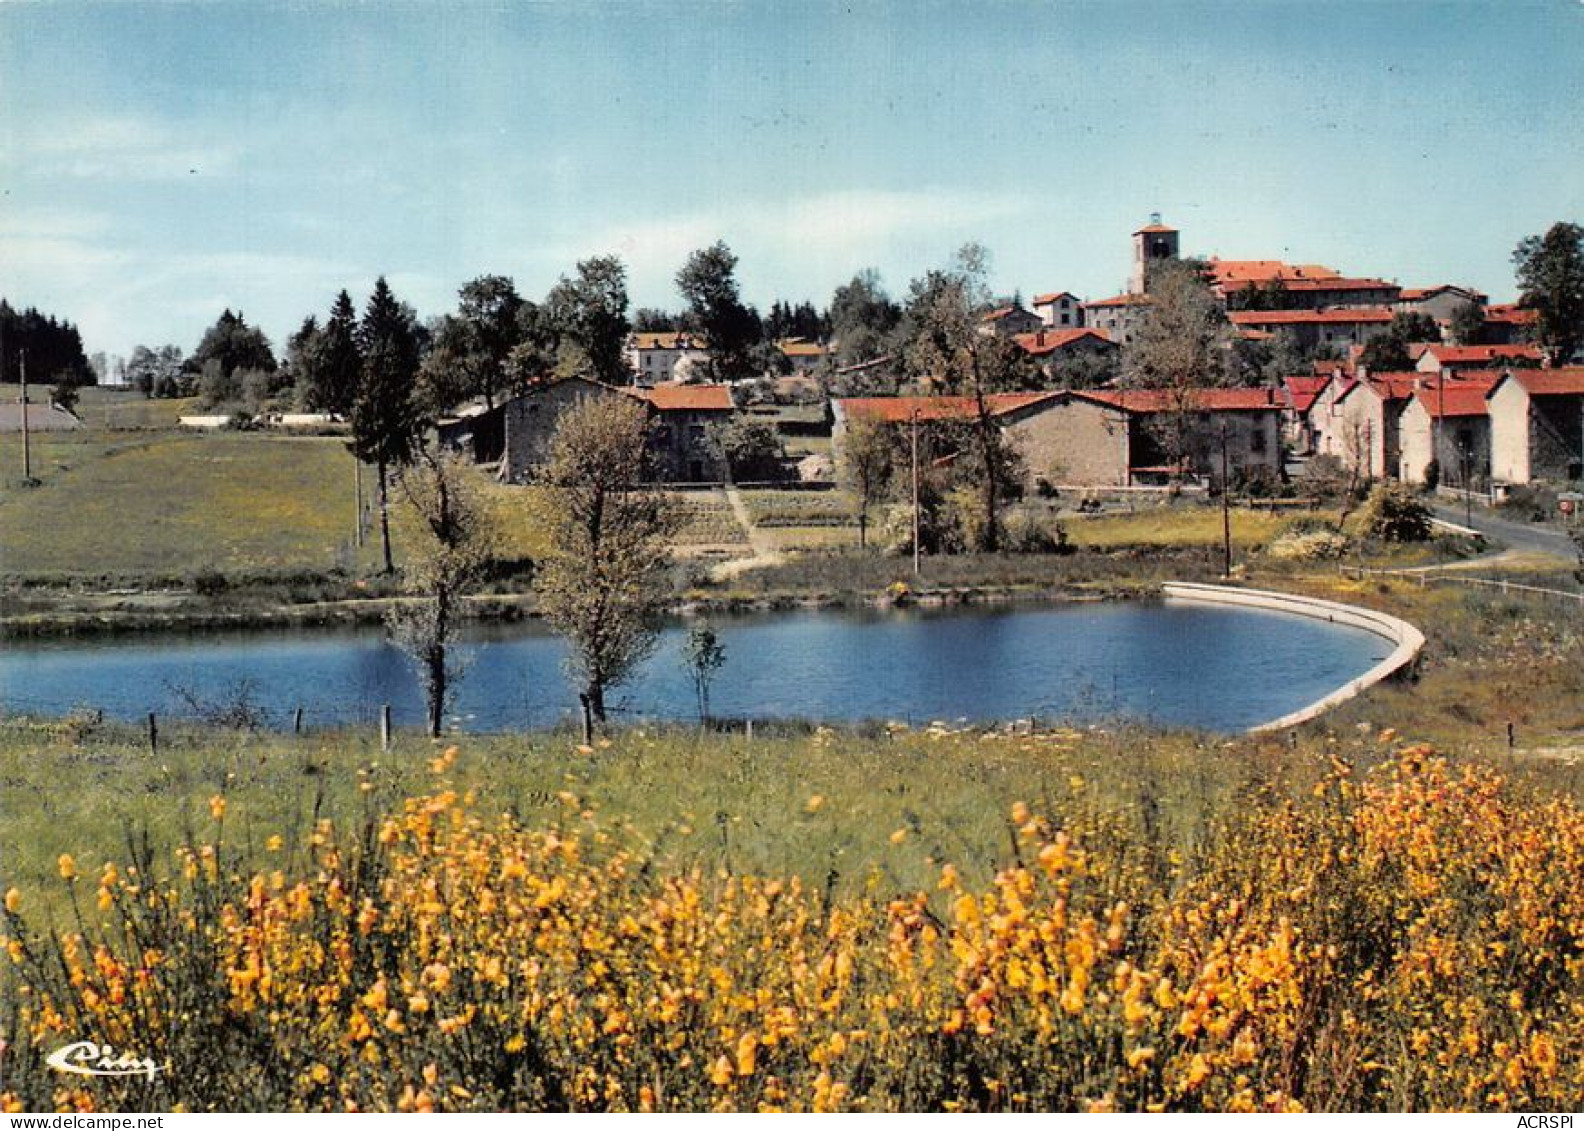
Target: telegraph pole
x,y
916,550
27,451
1226,507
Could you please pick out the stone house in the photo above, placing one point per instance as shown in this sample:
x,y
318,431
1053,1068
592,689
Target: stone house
x,y
518,432
1448,422
1009,321
1098,438
680,443
804,357
1508,324
1322,293
1537,425
1440,303
1116,317
1298,395
1051,347
1342,327
1059,310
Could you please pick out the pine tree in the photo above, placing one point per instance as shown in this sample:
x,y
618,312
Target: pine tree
x,y
384,416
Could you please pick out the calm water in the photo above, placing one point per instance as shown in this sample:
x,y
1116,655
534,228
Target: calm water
x,y
1218,669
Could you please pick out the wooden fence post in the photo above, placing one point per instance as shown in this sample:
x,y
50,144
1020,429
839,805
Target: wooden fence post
x,y
297,721
153,732
385,728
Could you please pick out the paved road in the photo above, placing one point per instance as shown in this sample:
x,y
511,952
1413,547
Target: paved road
x,y
1531,537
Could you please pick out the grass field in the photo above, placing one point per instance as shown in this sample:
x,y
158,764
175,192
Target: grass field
x,y
168,504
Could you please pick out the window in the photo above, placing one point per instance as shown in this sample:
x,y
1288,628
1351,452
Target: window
x,y
1257,440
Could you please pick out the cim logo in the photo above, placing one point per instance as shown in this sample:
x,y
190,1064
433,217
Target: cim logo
x,y
85,1058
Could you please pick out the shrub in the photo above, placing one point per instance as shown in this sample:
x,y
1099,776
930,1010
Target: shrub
x,y
1308,546
1393,513
1323,477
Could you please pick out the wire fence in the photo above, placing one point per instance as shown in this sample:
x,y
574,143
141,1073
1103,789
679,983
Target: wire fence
x,y
1425,578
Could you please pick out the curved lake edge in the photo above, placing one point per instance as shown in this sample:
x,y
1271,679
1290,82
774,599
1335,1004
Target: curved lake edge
x,y
1408,641
1157,679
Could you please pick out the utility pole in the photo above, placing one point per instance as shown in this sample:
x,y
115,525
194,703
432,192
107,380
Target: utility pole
x,y
916,551
27,451
1226,507
357,497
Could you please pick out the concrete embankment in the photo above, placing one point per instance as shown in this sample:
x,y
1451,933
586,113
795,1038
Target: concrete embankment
x,y
1407,640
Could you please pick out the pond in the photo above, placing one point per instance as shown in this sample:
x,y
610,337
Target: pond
x,y
1216,669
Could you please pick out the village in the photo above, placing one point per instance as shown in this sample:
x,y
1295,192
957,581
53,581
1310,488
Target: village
x,y
1477,407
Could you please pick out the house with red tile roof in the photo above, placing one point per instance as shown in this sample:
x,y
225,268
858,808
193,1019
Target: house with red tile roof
x,y
1451,359
1362,427
1317,294
1508,324
1537,425
1340,327
655,357
1099,437
1448,422
1298,395
1059,310
517,432
1051,347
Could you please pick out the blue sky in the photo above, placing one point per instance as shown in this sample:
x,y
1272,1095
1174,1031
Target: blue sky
x,y
159,162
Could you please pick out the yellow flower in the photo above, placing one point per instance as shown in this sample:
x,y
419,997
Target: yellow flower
x,y
721,1072
899,836
68,866
319,1074
814,804
275,843
13,901
217,807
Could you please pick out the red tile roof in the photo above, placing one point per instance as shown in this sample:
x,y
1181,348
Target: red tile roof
x,y
1469,355
900,410
1304,285
1298,317
1563,381
1200,400
1150,228
1511,312
1457,399
689,398
1042,342
1302,391
1118,300
1041,300
801,349
1224,271
667,340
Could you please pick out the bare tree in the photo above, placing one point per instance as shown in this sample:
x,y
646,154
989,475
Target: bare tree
x,y
866,466
604,584
458,544
1181,348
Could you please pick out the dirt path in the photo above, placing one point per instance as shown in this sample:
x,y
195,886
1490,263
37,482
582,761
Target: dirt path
x,y
764,550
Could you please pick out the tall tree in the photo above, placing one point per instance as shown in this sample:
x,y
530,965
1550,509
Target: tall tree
x,y
944,351
1387,352
1468,324
603,583
54,347
1181,347
863,319
1550,273
385,421
488,310
708,283
332,362
456,543
235,345
589,311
